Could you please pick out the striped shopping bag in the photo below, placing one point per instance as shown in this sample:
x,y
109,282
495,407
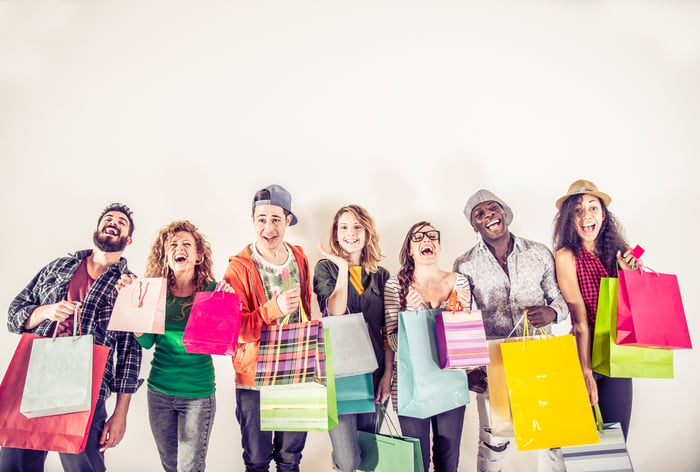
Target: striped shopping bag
x,y
288,354
461,339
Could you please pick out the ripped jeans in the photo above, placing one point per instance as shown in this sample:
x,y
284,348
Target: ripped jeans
x,y
493,449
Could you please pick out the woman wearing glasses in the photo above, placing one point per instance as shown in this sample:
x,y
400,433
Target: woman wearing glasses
x,y
421,284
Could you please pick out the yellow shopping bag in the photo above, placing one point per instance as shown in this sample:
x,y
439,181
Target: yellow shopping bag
x,y
548,396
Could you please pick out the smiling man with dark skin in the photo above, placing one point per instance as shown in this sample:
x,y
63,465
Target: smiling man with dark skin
x,y
510,277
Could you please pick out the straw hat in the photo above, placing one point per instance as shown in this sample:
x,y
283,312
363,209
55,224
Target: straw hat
x,y
584,186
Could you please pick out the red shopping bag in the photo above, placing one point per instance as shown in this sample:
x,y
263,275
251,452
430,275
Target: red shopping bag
x,y
61,433
650,311
213,324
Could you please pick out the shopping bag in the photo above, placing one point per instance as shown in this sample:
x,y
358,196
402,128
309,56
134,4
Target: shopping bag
x,y
310,406
354,394
461,339
140,307
548,396
213,324
60,433
288,353
499,404
613,360
610,454
650,311
352,347
59,375
389,452
424,389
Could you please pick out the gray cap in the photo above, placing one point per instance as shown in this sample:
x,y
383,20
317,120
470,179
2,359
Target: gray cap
x,y
486,196
278,197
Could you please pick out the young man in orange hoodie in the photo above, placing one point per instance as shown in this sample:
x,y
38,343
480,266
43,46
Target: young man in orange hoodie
x,y
261,274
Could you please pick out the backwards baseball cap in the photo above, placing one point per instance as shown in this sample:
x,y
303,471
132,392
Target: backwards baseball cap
x,y
278,197
482,196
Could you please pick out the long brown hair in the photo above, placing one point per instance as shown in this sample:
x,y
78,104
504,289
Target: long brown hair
x,y
157,264
408,265
371,253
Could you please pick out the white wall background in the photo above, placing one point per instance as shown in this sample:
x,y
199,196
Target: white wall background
x,y
184,109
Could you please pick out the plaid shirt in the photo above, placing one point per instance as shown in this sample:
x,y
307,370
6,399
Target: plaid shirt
x,y
50,285
503,298
589,271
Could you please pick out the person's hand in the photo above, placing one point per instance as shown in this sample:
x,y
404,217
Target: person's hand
x,y
591,386
125,280
627,261
225,287
463,298
341,263
540,316
60,311
288,301
477,380
113,431
415,300
384,387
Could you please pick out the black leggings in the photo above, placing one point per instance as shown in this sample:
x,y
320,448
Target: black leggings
x,y
615,400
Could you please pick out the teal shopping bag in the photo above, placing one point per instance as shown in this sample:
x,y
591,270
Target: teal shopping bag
x,y
355,394
425,389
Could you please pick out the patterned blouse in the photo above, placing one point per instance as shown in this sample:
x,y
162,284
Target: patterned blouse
x,y
589,271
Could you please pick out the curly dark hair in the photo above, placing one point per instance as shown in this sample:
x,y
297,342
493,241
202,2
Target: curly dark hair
x,y
120,207
405,275
610,238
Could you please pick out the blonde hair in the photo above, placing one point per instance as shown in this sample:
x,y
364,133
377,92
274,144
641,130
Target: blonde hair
x,y
371,253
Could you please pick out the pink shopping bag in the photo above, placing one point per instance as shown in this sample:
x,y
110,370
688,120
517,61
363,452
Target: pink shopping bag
x,y
650,311
213,324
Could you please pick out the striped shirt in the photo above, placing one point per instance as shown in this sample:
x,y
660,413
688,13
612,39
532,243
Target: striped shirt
x,y
50,285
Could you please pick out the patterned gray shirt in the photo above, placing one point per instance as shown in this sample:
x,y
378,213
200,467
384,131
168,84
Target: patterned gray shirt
x,y
502,300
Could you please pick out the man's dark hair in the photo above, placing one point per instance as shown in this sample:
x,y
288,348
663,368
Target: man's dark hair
x,y
120,207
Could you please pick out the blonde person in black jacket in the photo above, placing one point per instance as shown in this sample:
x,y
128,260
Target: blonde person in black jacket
x,y
349,280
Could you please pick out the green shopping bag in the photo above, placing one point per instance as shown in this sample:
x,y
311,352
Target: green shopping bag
x,y
389,452
613,360
307,406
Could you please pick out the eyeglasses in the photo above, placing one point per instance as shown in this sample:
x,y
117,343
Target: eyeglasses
x,y
433,235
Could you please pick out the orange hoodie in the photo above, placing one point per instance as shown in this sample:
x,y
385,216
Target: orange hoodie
x,y
242,275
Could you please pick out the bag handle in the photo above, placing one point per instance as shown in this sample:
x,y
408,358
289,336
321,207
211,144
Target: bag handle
x,y
393,430
143,288
76,323
598,418
452,303
526,328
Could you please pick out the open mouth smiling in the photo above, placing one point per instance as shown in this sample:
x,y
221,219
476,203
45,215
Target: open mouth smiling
x,y
111,230
427,251
179,258
493,223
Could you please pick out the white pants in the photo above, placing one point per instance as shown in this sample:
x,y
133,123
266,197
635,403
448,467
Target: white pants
x,y
493,449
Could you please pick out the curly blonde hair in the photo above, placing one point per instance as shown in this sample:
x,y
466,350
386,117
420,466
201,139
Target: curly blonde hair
x,y
157,264
371,253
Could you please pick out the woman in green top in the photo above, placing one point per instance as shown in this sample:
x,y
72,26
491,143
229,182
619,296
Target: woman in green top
x,y
181,399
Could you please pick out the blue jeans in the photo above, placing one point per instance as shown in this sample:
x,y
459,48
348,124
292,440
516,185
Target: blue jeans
x,y
346,454
261,447
90,460
447,435
181,428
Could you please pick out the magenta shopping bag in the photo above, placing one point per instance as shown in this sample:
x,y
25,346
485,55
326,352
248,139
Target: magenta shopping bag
x,y
213,324
650,311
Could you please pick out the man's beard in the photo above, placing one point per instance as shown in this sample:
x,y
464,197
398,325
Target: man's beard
x,y
106,244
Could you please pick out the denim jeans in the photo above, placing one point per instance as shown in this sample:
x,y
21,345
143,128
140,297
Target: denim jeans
x,y
90,460
492,450
346,454
447,435
261,447
181,428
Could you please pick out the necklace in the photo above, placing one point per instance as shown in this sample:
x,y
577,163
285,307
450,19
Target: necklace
x,y
503,261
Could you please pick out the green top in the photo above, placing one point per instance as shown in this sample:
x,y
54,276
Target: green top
x,y
175,371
